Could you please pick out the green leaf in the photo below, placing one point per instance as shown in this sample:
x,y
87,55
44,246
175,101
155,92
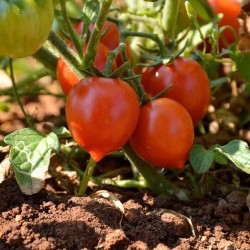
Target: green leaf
x,y
200,158
62,132
218,157
90,11
30,157
242,63
203,8
238,152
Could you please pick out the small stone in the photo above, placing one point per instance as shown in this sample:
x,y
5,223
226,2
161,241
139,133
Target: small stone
x,y
19,218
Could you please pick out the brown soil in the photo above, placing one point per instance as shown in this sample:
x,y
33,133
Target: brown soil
x,y
55,221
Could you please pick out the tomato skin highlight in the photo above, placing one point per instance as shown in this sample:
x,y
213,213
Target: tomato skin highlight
x,y
67,78
25,25
231,10
191,85
164,134
102,114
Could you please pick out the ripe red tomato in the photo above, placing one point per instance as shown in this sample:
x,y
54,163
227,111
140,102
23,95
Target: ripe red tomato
x,y
102,114
190,85
111,38
231,10
67,78
164,134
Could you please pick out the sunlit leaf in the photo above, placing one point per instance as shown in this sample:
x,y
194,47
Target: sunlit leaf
x,y
238,152
30,157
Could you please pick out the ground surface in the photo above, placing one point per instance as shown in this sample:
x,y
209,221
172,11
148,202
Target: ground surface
x,y
52,221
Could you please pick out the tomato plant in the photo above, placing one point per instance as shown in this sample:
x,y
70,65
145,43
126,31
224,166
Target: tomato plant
x,y
231,10
164,133
190,85
67,78
110,37
102,113
25,25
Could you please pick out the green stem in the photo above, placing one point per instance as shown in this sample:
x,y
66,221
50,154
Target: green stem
x,y
27,117
30,78
156,181
32,93
49,60
68,55
170,14
86,177
153,37
95,36
75,39
111,57
120,183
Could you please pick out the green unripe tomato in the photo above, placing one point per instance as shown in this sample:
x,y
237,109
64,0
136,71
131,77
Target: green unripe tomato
x,y
24,26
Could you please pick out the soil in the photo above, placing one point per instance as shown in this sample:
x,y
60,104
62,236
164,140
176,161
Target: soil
x,y
54,221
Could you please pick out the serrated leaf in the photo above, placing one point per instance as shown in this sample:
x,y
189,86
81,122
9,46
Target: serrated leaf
x,y
200,158
238,152
90,11
30,157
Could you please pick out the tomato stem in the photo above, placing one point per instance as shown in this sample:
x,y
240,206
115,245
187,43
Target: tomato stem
x,y
156,181
86,177
111,57
27,117
68,55
95,36
48,59
74,37
192,15
170,14
153,37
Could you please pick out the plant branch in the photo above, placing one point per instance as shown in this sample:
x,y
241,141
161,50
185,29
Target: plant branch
x,y
156,181
170,14
95,36
27,117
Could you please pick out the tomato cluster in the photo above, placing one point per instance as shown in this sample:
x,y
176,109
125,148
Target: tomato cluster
x,y
104,113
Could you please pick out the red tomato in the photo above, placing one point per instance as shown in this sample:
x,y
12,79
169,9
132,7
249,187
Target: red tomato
x,y
190,85
164,134
102,114
231,10
111,38
67,78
